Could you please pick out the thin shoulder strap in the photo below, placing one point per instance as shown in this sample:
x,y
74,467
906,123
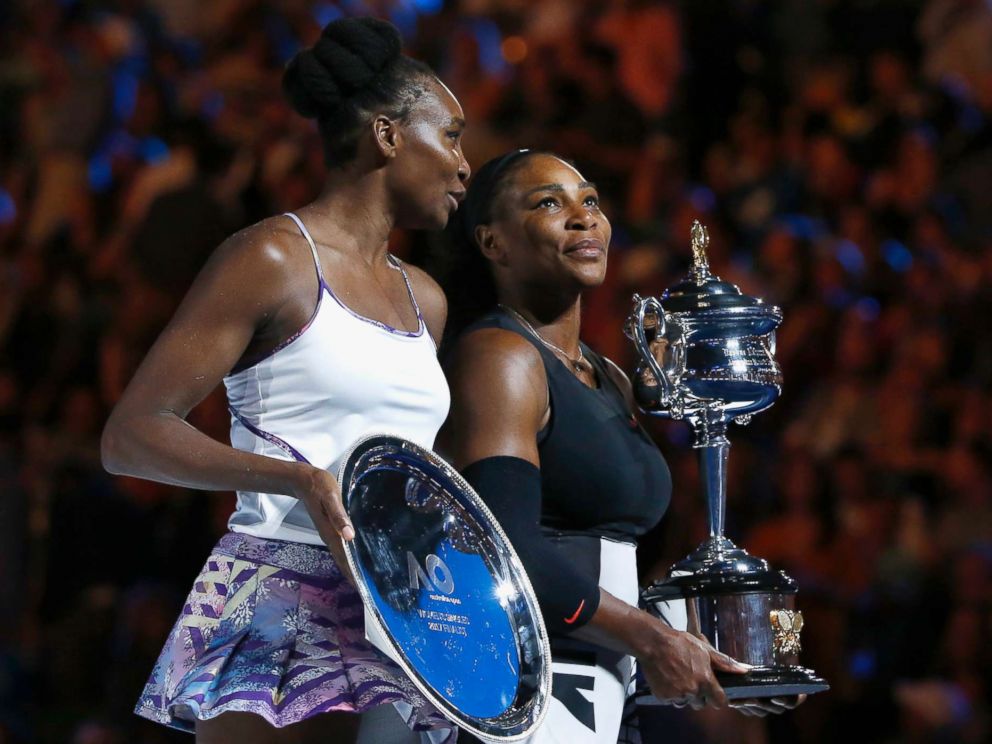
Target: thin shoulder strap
x,y
313,247
409,288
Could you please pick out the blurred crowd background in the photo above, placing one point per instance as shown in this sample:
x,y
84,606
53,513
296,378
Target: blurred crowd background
x,y
839,151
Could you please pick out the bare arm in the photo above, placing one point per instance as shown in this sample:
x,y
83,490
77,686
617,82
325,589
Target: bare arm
x,y
505,419
251,282
499,403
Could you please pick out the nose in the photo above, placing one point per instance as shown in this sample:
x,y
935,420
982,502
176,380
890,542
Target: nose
x,y
580,219
464,169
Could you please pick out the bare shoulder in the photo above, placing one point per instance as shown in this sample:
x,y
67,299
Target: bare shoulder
x,y
500,362
498,349
265,264
499,397
430,297
272,245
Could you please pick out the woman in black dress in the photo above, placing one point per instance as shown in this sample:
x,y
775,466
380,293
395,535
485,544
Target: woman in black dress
x,y
543,428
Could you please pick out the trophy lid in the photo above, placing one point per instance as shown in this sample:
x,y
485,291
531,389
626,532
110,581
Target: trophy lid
x,y
701,290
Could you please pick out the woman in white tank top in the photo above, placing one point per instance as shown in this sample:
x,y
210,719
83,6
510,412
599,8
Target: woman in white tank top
x,y
320,337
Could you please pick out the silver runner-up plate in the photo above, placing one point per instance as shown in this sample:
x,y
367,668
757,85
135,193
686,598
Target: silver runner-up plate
x,y
444,589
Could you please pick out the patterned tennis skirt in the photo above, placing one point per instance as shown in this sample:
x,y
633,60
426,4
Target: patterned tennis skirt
x,y
273,628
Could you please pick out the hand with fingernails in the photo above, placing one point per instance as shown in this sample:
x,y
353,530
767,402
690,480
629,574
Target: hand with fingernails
x,y
680,668
321,494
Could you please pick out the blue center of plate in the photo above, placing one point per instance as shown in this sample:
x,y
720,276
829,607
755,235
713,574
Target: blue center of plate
x,y
457,635
445,610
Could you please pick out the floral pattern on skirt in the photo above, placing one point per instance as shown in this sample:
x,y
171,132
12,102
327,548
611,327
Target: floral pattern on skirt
x,y
273,628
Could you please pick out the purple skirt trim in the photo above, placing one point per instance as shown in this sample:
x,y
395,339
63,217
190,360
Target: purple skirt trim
x,y
273,628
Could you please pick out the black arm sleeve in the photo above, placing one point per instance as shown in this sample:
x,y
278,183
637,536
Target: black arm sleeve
x,y
511,488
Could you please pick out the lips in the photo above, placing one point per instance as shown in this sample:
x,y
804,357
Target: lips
x,y
454,199
588,248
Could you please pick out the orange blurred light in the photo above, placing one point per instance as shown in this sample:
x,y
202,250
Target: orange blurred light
x,y
514,49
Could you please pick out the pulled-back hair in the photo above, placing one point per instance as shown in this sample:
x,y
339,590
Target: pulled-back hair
x,y
355,69
462,271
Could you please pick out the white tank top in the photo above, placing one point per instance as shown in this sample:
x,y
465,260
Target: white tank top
x,y
341,377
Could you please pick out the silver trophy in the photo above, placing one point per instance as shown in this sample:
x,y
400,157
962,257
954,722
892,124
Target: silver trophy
x,y
707,357
445,595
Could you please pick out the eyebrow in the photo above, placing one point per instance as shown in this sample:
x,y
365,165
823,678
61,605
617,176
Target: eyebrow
x,y
559,187
457,121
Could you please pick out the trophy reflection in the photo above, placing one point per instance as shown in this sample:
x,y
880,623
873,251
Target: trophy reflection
x,y
707,357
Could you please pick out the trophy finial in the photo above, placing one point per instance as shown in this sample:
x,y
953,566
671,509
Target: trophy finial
x,y
700,240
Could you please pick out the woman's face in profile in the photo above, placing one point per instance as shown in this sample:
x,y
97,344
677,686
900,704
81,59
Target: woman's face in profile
x,y
429,173
547,227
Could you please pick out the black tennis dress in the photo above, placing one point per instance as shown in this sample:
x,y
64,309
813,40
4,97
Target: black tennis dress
x,y
603,484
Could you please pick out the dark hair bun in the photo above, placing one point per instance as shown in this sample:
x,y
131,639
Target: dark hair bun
x,y
349,55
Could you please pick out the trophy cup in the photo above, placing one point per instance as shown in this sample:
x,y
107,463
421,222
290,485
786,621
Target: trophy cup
x,y
709,350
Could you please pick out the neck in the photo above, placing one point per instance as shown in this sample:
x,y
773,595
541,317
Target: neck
x,y
353,213
558,320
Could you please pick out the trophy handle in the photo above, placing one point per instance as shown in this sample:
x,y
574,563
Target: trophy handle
x,y
641,342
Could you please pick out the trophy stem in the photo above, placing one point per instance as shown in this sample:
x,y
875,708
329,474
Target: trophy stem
x,y
713,467
714,449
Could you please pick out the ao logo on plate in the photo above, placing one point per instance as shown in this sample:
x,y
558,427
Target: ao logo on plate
x,y
434,575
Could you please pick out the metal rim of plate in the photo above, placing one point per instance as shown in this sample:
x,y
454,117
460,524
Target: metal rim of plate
x,y
519,721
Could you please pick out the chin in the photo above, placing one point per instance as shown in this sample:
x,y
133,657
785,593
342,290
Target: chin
x,y
446,216
593,278
432,221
